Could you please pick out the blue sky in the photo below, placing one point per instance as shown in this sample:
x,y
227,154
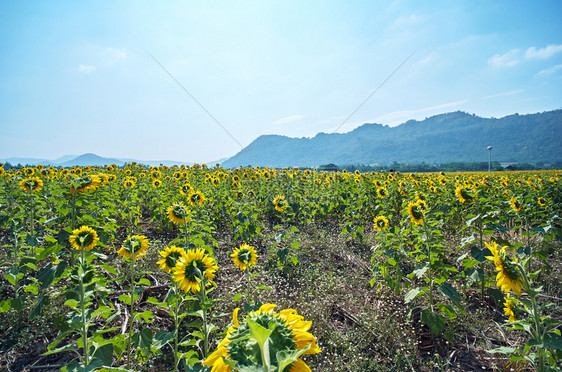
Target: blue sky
x,y
77,77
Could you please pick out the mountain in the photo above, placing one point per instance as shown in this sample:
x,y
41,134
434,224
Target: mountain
x,y
90,159
450,137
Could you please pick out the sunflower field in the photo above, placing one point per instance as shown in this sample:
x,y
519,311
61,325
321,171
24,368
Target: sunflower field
x,y
210,269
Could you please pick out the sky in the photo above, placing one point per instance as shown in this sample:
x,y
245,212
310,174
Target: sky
x,y
104,76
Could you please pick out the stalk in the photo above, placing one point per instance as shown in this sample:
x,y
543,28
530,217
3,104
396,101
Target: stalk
x,y
430,266
132,268
82,307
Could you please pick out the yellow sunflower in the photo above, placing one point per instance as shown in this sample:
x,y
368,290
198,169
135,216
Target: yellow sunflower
x,y
84,238
192,268
196,198
135,246
129,183
508,277
241,349
170,255
244,256
280,203
178,213
186,189
31,184
541,201
156,183
85,184
463,194
515,205
382,193
415,212
381,223
508,309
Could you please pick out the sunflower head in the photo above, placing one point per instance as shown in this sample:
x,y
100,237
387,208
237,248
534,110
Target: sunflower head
x,y
178,213
285,334
134,246
196,198
508,277
510,309
515,205
84,238
186,189
280,203
541,201
156,183
194,268
381,223
244,257
31,184
85,184
415,212
129,182
382,193
464,194
170,255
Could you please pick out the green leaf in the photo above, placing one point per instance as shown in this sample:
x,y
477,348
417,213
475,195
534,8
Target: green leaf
x,y
143,339
449,291
237,297
434,321
503,350
263,287
412,293
284,358
480,254
161,338
143,281
39,305
420,271
125,298
104,354
261,335
31,288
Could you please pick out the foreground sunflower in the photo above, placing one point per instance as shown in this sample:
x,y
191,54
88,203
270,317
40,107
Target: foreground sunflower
x,y
85,184
193,268
381,223
283,336
463,194
84,238
280,203
382,193
508,277
135,246
31,184
415,212
244,257
515,205
178,213
170,255
196,198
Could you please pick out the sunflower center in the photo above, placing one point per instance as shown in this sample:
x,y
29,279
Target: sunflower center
x,y
196,269
244,256
85,238
172,258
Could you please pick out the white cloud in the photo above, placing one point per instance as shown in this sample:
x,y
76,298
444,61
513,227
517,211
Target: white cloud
x,y
549,71
543,53
86,69
508,59
288,119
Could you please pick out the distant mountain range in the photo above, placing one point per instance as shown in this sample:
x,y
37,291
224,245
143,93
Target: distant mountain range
x,y
444,138
89,159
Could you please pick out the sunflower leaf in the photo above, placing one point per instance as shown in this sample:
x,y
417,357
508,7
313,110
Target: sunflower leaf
x,y
261,335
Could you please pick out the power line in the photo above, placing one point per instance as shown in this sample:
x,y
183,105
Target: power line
x,y
195,99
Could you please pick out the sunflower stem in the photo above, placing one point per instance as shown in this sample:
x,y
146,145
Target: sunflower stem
x,y
82,306
132,268
430,270
73,225
204,308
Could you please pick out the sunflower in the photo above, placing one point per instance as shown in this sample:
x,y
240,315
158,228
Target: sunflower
x,y
178,213
85,184
129,183
244,256
515,205
415,212
84,238
509,308
156,183
508,277
28,171
280,203
193,268
135,246
31,184
381,223
251,194
186,189
382,193
170,255
541,202
196,198
463,194
287,334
